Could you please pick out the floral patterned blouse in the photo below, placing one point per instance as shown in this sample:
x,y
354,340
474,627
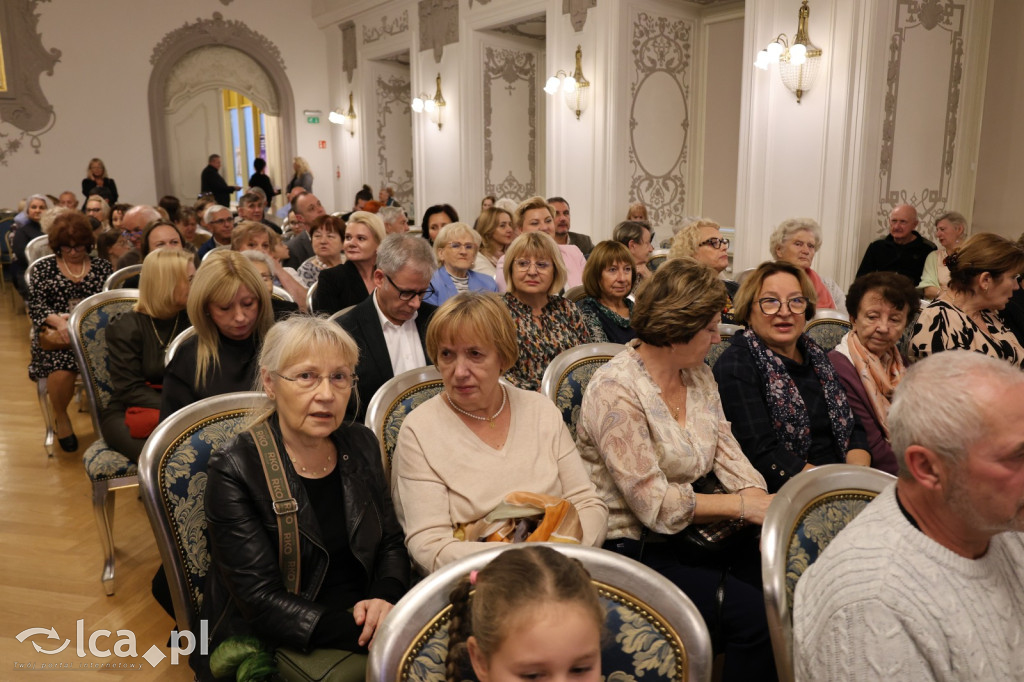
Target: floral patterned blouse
x,y
942,326
639,457
560,327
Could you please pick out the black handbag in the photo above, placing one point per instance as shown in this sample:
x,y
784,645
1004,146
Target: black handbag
x,y
717,535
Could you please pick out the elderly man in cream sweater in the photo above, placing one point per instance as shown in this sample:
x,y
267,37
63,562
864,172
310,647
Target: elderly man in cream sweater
x,y
927,583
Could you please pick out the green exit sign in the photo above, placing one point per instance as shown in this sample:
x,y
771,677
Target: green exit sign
x,y
312,119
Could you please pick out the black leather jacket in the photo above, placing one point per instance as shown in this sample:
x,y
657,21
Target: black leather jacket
x,y
244,593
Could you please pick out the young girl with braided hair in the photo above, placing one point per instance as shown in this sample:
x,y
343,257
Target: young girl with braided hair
x,y
531,613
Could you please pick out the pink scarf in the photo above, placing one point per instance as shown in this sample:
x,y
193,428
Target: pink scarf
x,y
880,376
825,299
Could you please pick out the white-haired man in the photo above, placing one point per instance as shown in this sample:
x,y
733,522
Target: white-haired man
x,y
927,583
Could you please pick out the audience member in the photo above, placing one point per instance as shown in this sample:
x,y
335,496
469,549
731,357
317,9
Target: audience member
x,y
795,241
903,250
58,284
218,220
328,237
117,212
212,182
531,608
546,324
362,198
637,237
230,310
68,200
868,362
26,232
390,325
352,281
96,176
562,234
637,212
350,562
307,209
436,217
171,205
657,445
253,236
266,268
983,274
137,342
260,179
455,247
395,220
535,215
925,584
788,409
303,175
496,233
386,197
160,234
608,278
950,232
96,207
252,206
188,225
111,246
487,202
702,241
522,453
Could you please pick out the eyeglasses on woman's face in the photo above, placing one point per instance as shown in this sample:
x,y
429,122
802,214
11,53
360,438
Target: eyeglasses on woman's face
x,y
307,381
460,246
524,264
772,306
78,248
715,243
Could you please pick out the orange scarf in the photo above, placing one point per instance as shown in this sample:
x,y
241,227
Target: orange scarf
x,y
526,517
825,299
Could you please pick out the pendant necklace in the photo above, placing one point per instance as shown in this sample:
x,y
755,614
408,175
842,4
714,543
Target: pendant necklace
x,y
163,344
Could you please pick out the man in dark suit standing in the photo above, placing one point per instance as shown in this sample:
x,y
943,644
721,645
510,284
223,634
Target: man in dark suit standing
x,y
213,183
390,326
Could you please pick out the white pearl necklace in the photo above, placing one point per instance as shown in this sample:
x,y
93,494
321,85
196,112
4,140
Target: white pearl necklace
x,y
504,399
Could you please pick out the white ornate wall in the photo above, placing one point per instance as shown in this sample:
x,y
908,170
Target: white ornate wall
x,y
391,128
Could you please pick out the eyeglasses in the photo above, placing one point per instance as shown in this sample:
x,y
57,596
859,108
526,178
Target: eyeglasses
x,y
524,265
307,381
409,294
131,234
715,243
80,248
459,246
771,306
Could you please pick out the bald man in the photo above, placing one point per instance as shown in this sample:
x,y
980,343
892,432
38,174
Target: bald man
x,y
903,250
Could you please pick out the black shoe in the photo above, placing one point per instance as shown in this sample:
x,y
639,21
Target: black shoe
x,y
68,443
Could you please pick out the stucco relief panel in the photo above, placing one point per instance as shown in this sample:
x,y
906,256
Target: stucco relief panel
x,y
394,135
387,27
220,67
510,118
921,109
659,88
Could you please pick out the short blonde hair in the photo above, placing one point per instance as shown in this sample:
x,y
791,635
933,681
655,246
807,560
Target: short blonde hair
x,y
743,301
789,227
529,205
686,242
162,271
370,220
449,233
535,245
216,282
478,314
680,299
246,229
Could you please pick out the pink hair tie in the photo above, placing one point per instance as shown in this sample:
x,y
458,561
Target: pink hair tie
x,y
472,577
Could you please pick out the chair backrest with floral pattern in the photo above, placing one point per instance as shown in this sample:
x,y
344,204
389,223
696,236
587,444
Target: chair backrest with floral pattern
x,y
87,328
655,632
393,401
806,514
172,475
566,378
828,327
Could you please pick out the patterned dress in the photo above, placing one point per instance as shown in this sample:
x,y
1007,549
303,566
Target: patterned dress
x,y
559,328
943,326
52,293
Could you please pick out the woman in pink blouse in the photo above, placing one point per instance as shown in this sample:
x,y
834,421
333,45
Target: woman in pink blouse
x,y
663,458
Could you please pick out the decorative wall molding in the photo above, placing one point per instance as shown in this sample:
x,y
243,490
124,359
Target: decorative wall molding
x,y
215,67
482,2
577,11
226,2
660,69
931,197
531,28
349,56
216,31
399,24
505,69
439,25
22,102
393,95
174,47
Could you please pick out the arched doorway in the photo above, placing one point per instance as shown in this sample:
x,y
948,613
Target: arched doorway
x,y
192,68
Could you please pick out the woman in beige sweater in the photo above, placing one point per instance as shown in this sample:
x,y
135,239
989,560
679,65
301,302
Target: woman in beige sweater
x,y
462,452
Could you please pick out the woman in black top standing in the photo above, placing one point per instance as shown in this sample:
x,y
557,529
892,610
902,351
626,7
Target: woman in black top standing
x,y
96,177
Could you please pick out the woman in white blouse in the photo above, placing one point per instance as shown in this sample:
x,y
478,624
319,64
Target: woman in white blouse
x,y
652,432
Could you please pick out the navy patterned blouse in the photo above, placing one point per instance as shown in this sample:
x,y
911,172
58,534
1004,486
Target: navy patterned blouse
x,y
559,327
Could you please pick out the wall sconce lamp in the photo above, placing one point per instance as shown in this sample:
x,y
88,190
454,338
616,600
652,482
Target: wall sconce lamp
x,y
432,106
798,61
347,119
575,88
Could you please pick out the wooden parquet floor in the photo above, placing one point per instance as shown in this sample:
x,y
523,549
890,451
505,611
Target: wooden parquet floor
x,y
50,557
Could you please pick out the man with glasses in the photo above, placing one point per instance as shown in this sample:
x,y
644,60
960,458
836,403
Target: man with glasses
x,y
219,222
390,327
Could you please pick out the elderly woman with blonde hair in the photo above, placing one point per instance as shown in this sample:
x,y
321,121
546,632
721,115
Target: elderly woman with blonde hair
x,y
702,241
662,455
521,448
546,323
455,248
796,240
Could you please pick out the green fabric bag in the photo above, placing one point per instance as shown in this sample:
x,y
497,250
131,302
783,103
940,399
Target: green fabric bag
x,y
327,665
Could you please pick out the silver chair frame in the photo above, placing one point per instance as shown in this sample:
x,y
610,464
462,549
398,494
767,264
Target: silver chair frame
x,y
309,296
556,370
280,294
340,313
378,406
119,277
413,613
575,294
176,343
38,247
829,314
781,519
